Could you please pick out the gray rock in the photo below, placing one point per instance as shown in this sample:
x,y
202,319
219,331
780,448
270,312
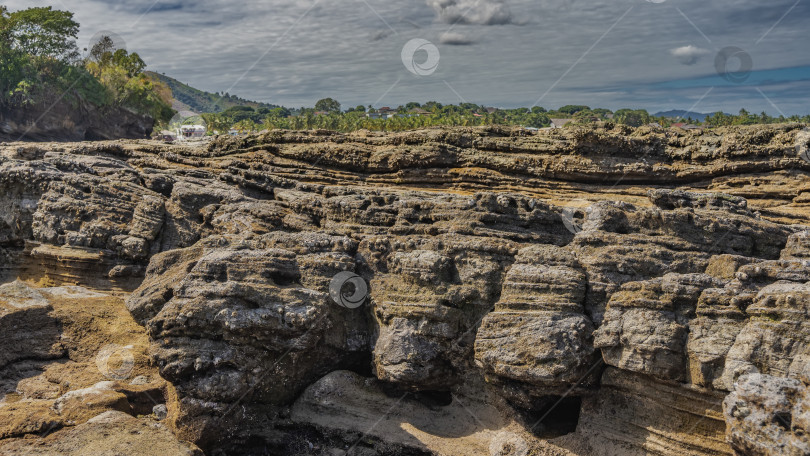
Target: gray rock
x,y
160,411
767,415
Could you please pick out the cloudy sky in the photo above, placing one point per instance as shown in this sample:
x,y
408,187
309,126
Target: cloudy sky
x,y
654,54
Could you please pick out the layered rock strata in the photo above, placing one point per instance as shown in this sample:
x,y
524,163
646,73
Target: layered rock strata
x,y
647,287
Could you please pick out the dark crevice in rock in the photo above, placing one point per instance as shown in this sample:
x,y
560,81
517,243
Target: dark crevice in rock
x,y
433,399
784,420
559,416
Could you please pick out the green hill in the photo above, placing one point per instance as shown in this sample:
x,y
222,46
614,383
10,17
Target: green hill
x,y
202,102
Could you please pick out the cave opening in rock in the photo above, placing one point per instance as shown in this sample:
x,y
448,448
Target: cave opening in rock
x,y
430,399
433,398
280,278
557,417
360,363
92,135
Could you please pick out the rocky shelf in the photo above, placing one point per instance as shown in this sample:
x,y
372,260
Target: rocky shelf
x,y
578,291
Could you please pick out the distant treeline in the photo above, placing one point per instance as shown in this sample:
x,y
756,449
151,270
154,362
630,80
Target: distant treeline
x,y
327,114
41,64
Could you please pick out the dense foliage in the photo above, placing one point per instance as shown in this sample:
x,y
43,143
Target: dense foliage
x,y
327,115
122,74
745,118
39,63
201,101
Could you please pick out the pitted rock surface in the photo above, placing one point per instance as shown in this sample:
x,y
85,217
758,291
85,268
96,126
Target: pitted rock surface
x,y
650,285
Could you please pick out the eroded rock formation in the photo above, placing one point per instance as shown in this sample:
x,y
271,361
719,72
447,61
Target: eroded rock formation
x,y
566,292
63,118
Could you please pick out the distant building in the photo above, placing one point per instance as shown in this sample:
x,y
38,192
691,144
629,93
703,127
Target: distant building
x,y
383,113
491,110
559,123
321,113
191,131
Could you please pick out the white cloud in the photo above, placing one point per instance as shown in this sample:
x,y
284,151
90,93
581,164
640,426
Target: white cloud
x,y
479,12
455,39
689,55
332,51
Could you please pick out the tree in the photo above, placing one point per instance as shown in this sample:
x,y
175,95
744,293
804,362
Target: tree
x,y
131,63
719,119
246,126
216,123
44,32
280,112
101,52
573,109
104,55
432,106
328,105
634,118
36,47
5,28
39,61
745,118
